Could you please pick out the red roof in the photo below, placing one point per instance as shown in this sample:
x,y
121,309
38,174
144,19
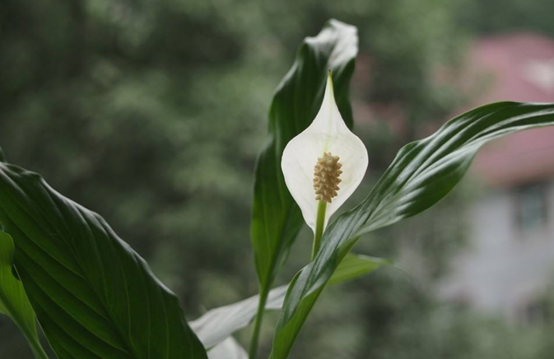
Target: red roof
x,y
521,68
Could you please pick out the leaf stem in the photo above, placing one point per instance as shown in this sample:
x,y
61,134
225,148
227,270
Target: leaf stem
x,y
253,351
320,222
264,292
37,349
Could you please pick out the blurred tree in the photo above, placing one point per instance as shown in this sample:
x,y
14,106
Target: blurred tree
x,y
486,17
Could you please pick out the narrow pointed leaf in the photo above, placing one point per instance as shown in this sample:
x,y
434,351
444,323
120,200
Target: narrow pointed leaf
x,y
422,173
218,324
356,265
276,219
13,299
93,295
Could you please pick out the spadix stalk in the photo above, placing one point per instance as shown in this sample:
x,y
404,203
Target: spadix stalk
x,y
324,164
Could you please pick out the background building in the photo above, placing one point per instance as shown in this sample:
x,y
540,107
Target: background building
x,y
509,260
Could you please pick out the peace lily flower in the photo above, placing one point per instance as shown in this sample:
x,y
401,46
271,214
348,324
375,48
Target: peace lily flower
x,y
323,165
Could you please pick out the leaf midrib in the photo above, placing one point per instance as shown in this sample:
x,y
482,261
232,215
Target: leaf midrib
x,y
83,274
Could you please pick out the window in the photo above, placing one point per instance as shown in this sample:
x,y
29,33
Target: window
x,y
535,312
531,207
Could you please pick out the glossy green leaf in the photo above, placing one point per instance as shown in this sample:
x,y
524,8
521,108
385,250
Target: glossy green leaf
x,y
276,219
218,324
93,295
13,299
422,173
356,265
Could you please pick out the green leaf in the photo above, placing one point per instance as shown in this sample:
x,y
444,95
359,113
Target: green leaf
x,y
13,299
93,295
422,173
356,265
218,324
276,219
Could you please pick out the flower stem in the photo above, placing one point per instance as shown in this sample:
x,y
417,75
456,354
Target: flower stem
x,y
320,222
253,351
264,291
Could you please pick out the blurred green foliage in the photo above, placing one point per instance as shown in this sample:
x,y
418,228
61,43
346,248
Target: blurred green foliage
x,y
151,113
488,17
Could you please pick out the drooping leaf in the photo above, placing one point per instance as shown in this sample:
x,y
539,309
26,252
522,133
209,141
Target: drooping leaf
x,y
13,299
422,173
276,219
218,324
228,349
93,295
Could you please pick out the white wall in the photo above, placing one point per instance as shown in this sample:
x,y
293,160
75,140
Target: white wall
x,y
504,269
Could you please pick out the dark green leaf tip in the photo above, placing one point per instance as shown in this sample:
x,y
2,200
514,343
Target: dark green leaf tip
x,y
2,156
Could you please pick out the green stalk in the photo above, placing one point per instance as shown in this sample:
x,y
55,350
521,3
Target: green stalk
x,y
320,222
37,349
253,351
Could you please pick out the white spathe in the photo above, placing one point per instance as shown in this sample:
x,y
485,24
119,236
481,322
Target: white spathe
x,y
327,133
